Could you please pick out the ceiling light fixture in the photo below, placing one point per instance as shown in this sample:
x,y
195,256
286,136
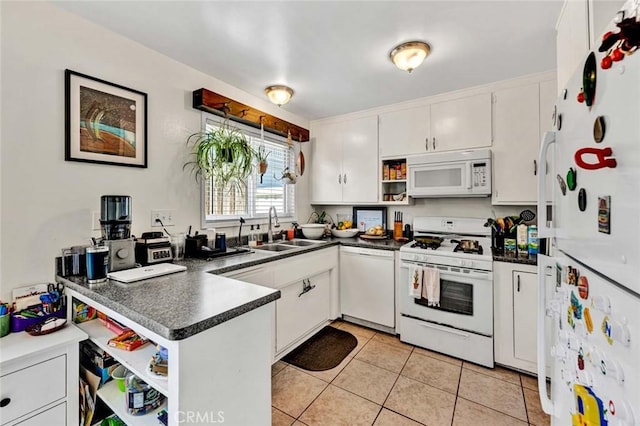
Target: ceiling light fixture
x,y
279,95
408,56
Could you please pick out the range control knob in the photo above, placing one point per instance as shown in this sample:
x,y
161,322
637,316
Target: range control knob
x,y
123,253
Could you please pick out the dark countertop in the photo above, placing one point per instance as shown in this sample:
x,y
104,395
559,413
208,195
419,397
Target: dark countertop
x,y
515,260
180,305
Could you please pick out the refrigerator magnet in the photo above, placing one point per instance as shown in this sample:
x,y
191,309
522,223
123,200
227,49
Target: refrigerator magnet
x,y
580,359
583,287
563,186
588,322
582,199
599,129
604,214
576,307
572,179
600,154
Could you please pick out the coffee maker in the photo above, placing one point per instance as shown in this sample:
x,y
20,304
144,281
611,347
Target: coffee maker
x,y
115,223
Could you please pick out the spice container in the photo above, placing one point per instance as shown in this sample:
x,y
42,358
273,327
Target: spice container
x,y
385,172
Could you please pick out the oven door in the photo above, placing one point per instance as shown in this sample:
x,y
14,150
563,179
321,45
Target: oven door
x,y
466,298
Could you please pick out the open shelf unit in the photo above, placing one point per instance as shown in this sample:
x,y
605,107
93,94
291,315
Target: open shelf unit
x,y
114,398
135,361
393,181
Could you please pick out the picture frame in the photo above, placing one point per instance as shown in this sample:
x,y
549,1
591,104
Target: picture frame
x,y
105,123
365,217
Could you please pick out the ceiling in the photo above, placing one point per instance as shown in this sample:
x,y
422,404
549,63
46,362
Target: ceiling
x,y
335,54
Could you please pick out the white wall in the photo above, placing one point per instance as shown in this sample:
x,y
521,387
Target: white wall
x,y
46,203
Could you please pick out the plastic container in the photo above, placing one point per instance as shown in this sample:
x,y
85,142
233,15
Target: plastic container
x,y
140,397
532,242
521,241
21,324
119,375
4,324
345,219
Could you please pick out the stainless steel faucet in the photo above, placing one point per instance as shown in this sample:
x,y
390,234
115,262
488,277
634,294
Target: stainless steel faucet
x,y
277,224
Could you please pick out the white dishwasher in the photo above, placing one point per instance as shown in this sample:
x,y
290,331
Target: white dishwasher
x,y
367,287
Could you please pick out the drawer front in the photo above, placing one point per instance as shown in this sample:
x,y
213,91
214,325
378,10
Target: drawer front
x,y
33,387
298,313
297,268
54,416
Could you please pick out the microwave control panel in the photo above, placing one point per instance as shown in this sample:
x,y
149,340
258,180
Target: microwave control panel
x,y
479,174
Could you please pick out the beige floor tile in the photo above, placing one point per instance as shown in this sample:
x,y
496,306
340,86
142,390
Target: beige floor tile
x,y
366,380
438,356
385,356
292,390
339,407
491,392
277,367
497,372
357,329
431,371
421,402
537,417
469,413
529,382
327,375
362,341
299,423
391,340
278,418
389,418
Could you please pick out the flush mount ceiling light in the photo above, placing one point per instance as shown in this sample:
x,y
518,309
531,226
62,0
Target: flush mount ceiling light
x,y
408,56
279,95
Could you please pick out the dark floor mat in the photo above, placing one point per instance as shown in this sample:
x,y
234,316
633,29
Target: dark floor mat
x,y
323,351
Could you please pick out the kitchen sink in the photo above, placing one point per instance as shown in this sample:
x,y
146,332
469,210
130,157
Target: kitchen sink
x,y
274,247
301,243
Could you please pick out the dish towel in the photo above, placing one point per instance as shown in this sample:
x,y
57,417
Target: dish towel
x,y
431,286
415,282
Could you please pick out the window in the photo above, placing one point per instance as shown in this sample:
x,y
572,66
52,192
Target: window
x,y
259,195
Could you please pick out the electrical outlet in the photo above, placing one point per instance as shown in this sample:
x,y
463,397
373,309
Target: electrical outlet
x,y
95,221
166,216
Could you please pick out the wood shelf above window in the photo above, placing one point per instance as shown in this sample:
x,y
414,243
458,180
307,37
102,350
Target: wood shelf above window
x,y
206,100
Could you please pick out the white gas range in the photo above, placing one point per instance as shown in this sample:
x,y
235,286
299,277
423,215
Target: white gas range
x,y
462,324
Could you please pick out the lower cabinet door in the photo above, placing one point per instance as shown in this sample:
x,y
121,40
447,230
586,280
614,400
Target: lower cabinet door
x,y
525,295
54,416
301,307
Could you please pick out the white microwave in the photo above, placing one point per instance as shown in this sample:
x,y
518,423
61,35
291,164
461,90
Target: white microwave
x,y
450,174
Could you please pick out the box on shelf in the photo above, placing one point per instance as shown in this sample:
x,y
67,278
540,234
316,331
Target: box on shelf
x,y
129,341
97,360
82,312
112,324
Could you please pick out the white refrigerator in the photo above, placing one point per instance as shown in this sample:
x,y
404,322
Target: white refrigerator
x,y
593,347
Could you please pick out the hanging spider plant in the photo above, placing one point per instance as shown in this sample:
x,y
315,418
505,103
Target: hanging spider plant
x,y
223,155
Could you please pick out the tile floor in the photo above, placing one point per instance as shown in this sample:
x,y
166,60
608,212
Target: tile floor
x,y
386,382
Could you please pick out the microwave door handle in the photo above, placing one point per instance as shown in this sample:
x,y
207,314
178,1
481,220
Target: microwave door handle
x,y
468,175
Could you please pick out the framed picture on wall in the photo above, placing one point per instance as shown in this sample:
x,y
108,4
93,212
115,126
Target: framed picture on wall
x,y
105,123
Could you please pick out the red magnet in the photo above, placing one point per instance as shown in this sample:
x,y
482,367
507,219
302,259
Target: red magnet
x,y
600,153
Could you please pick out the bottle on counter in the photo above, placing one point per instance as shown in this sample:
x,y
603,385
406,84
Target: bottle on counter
x,y
522,241
253,239
258,236
532,242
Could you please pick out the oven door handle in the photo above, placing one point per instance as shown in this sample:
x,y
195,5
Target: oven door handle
x,y
445,330
448,273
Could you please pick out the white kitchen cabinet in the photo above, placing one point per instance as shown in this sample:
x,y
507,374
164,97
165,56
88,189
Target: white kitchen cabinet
x,y
404,132
572,40
39,377
461,123
345,161
515,292
367,285
303,306
520,115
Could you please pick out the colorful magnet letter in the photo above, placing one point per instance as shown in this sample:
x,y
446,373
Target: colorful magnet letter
x,y
589,408
607,330
570,320
615,331
604,214
576,306
601,157
563,186
582,199
572,275
580,359
588,322
572,179
583,287
599,129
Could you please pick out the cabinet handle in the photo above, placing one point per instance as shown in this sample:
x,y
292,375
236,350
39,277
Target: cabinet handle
x,y
306,286
518,283
535,167
339,178
434,143
4,402
345,178
426,144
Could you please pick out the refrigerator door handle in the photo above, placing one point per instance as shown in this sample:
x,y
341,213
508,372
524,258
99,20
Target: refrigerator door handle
x,y
547,404
544,231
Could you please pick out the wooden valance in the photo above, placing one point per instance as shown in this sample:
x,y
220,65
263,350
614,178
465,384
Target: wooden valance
x,y
206,100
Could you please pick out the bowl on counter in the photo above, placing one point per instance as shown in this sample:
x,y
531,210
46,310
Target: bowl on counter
x,y
313,231
345,233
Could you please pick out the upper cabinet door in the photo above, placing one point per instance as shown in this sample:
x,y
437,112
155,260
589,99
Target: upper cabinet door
x,y
360,161
326,162
462,123
515,145
572,40
404,132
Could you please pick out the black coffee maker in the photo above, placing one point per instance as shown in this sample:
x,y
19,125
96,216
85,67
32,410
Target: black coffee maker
x,y
115,223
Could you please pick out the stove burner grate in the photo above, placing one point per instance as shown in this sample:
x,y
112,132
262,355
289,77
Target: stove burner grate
x,y
470,251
